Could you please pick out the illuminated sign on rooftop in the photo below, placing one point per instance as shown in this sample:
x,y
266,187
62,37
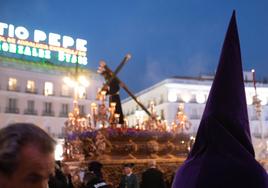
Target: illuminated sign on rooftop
x,y
39,44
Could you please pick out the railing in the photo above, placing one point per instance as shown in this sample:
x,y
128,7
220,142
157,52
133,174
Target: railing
x,y
12,110
16,88
63,114
66,95
33,91
50,113
30,112
52,94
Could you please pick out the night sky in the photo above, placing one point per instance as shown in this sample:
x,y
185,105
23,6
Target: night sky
x,y
165,37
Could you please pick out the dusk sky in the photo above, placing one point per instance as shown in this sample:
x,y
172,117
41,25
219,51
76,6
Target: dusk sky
x,y
165,37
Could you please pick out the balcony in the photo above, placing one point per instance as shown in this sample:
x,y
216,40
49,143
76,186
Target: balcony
x,y
63,114
12,110
49,113
33,91
13,88
46,93
30,112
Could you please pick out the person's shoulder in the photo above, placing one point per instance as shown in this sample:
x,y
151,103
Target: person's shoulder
x,y
154,170
134,176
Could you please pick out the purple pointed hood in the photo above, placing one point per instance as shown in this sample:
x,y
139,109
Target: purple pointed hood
x,y
223,155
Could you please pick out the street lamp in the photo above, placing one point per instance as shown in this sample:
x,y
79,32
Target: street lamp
x,y
258,107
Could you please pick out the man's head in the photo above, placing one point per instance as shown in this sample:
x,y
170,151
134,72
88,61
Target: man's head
x,y
65,169
128,168
95,167
152,164
26,156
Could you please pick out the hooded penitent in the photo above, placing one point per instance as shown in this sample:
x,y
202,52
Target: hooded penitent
x,y
223,155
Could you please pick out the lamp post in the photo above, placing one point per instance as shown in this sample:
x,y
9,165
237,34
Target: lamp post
x,y
181,122
258,109
76,122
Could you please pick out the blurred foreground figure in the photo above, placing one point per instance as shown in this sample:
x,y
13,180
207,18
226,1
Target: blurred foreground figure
x,y
152,177
223,155
26,156
94,177
61,177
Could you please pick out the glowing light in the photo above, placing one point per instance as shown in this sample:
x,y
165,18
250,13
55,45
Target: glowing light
x,y
5,47
58,152
192,138
67,41
39,36
54,39
81,45
200,98
172,96
81,92
48,88
82,80
186,97
66,48
249,99
69,82
3,26
21,33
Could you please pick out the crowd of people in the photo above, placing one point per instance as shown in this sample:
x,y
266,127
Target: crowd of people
x,y
93,177
27,160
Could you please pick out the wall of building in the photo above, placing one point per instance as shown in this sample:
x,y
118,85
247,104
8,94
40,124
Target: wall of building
x,y
23,71
192,93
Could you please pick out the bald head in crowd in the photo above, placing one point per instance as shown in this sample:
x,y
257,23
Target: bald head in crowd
x,y
152,164
26,156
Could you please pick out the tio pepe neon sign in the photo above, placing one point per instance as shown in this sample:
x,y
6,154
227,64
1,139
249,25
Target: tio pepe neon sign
x,y
18,40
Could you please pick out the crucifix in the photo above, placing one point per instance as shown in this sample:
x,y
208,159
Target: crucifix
x,y
113,84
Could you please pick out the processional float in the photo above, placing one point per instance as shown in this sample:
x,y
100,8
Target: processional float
x,y
104,134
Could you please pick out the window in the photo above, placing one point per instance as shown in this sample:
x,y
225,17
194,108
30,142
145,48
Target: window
x,y
81,92
81,109
48,109
194,114
30,86
161,100
12,84
65,90
162,114
48,90
64,110
12,106
30,108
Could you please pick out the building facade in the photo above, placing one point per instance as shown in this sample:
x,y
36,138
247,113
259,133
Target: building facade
x,y
193,93
36,92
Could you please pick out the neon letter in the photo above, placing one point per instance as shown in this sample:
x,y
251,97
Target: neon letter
x,y
81,45
53,39
39,36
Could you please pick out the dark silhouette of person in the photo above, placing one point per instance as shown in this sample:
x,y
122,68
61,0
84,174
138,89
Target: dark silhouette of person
x,y
60,179
94,177
152,177
223,155
113,89
129,179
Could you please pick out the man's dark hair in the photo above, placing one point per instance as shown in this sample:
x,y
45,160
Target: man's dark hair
x,y
14,137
